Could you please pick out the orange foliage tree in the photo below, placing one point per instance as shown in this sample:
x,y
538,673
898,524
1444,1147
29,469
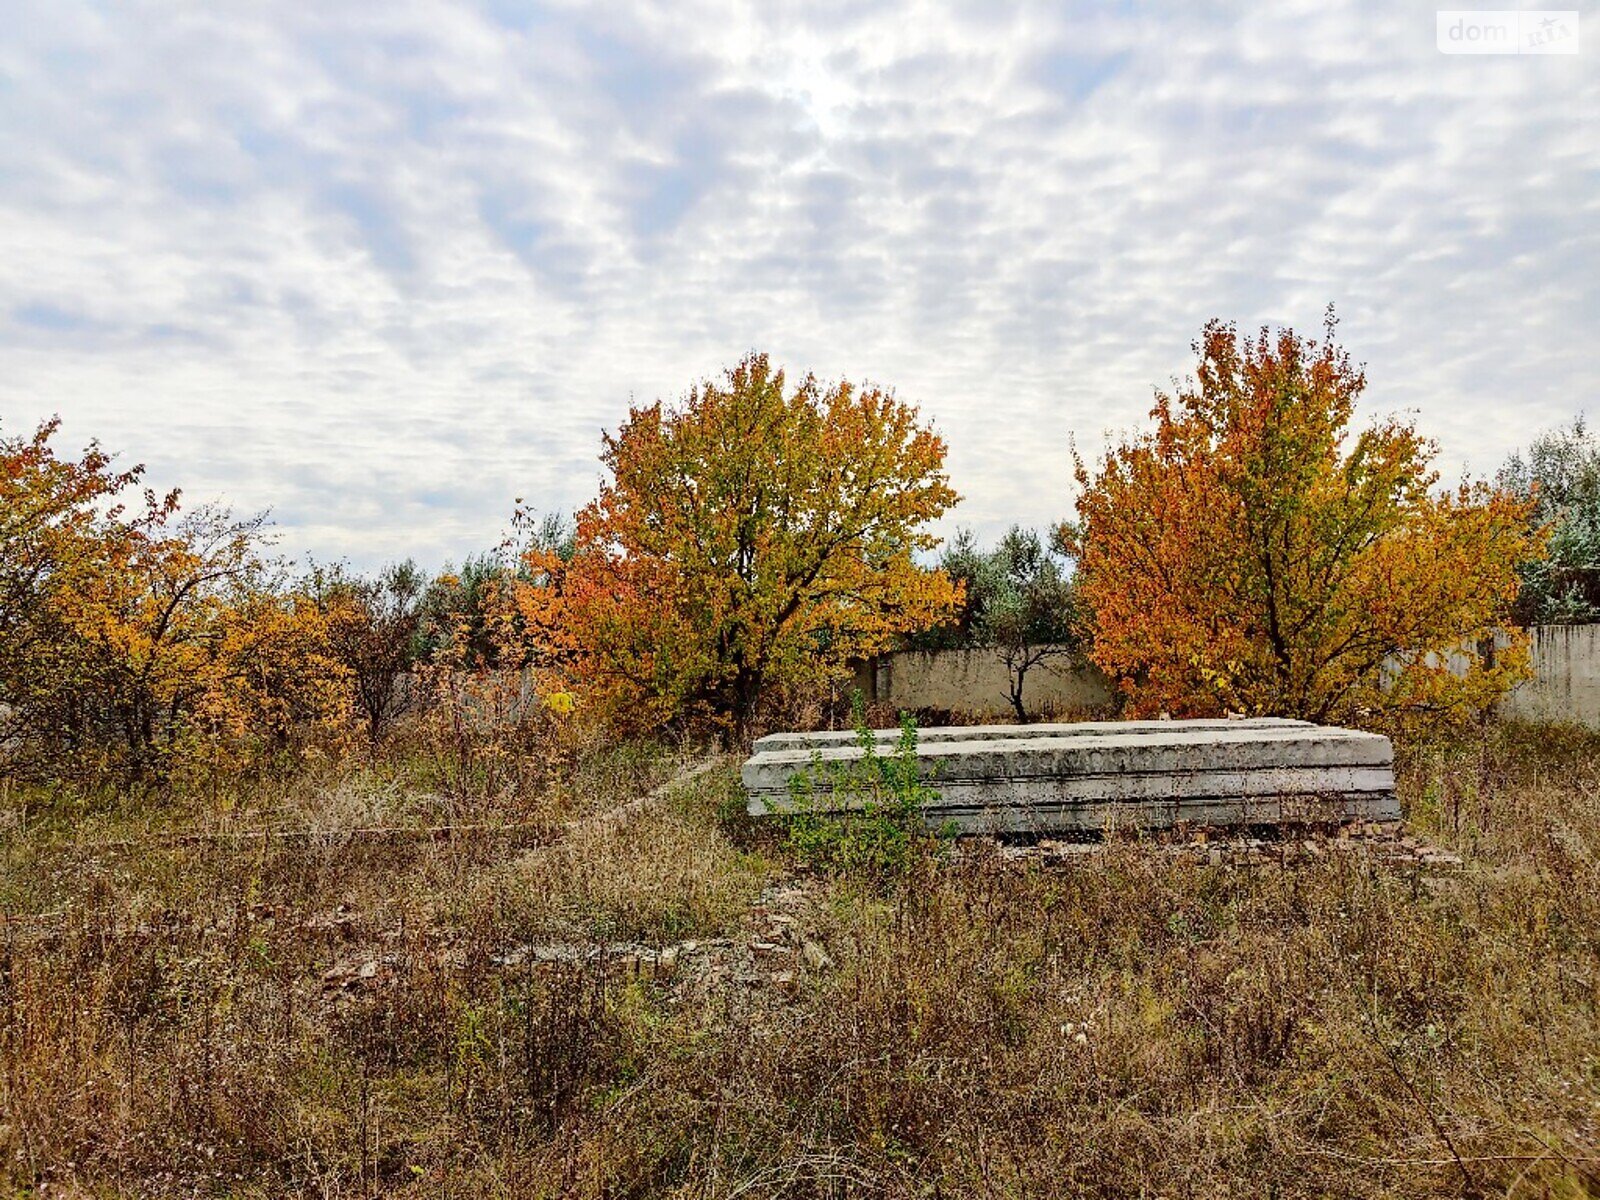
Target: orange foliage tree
x,y
53,512
1250,555
181,650
754,534
137,640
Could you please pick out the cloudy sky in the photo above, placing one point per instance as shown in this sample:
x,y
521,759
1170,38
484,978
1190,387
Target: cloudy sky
x,y
384,268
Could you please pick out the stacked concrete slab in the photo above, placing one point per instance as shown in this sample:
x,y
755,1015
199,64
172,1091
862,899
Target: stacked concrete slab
x,y
1092,775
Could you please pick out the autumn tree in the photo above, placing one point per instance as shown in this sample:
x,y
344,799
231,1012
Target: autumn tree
x,y
137,637
458,611
375,631
271,688
48,525
754,533
1251,554
182,645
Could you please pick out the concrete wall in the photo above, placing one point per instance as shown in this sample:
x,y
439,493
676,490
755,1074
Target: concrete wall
x,y
1565,686
1566,682
977,681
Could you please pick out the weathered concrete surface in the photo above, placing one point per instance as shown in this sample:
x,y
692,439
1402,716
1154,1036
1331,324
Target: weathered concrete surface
x,y
1091,775
1566,677
978,681
825,739
1565,685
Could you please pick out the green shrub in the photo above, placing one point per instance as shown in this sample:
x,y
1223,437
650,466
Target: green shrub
x,y
864,818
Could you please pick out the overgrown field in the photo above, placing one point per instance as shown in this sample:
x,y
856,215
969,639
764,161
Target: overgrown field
x,y
347,984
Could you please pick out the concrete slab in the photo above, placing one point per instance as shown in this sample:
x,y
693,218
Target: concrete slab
x,y
954,733
1091,775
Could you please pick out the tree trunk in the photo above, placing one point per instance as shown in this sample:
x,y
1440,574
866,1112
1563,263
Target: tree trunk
x,y
1018,675
746,696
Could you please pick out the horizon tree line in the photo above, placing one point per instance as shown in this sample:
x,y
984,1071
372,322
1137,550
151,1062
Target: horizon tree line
x,y
1249,552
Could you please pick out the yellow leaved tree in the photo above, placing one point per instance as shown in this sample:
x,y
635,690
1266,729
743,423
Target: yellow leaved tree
x,y
136,640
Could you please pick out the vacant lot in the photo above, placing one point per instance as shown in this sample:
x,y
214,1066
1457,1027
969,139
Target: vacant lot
x,y
354,984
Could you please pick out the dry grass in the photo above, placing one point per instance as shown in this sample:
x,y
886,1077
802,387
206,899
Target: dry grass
x,y
337,1016
664,874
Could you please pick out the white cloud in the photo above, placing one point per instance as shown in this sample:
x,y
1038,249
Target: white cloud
x,y
384,268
